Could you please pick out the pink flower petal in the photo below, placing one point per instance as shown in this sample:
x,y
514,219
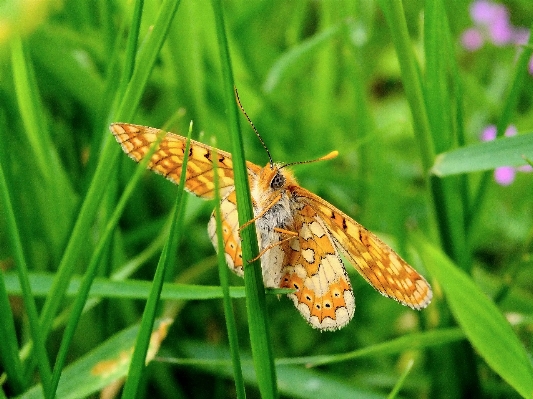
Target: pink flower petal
x,y
510,131
482,12
489,133
504,175
472,39
500,28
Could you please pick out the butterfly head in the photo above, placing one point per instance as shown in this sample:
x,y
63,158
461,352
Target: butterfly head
x,y
274,178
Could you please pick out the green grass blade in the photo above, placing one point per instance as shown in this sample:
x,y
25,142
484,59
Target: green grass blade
x,y
59,199
138,360
146,58
131,47
293,58
9,356
445,201
30,110
411,80
419,340
505,151
483,324
436,76
36,332
223,273
401,380
449,207
253,279
130,289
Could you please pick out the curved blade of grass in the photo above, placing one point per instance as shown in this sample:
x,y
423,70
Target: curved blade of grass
x,y
40,284
58,202
17,251
253,279
9,345
483,324
401,380
418,340
129,289
394,13
138,361
9,354
223,273
505,151
448,194
291,59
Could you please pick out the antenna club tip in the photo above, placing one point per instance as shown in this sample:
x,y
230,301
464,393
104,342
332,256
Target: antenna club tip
x,y
331,155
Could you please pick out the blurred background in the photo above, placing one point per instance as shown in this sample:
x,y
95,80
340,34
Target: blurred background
x,y
314,76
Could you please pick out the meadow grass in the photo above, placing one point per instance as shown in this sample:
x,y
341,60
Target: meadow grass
x,y
389,85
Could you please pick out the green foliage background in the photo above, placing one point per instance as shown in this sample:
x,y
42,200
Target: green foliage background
x,y
314,77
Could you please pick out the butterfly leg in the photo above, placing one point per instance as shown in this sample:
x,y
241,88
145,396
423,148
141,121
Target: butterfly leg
x,y
267,208
292,234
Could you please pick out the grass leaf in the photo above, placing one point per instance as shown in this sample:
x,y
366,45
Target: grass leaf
x,y
483,324
505,151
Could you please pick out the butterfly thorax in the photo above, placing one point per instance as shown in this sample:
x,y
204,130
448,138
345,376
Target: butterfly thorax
x,y
274,207
272,198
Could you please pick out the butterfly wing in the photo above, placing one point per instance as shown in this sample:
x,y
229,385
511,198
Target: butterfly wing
x,y
313,267
168,158
230,233
199,180
383,268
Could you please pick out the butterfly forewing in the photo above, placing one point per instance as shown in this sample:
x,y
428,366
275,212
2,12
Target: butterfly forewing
x,y
382,268
168,158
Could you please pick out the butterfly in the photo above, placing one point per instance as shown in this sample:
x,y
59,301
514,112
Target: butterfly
x,y
301,236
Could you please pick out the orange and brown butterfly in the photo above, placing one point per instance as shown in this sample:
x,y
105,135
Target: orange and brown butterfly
x,y
301,236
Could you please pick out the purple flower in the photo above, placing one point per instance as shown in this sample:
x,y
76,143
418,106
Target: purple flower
x,y
489,133
472,39
504,175
493,25
500,28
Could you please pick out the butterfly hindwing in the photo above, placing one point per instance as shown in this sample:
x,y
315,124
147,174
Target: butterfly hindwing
x,y
313,267
230,233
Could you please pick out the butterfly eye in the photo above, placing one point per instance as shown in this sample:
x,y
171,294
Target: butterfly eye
x,y
277,182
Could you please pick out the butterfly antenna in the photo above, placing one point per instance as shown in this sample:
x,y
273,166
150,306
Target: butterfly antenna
x,y
253,127
331,155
